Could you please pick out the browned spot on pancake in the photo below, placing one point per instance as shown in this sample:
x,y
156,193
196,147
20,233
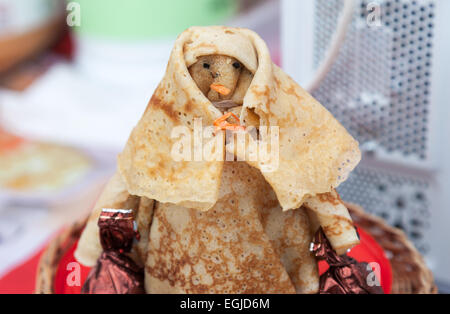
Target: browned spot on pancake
x,y
339,226
277,81
148,106
258,93
161,164
151,172
205,45
157,103
292,90
188,106
264,94
159,169
329,198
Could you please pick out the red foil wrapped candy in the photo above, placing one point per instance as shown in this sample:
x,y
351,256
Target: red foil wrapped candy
x,y
115,272
345,275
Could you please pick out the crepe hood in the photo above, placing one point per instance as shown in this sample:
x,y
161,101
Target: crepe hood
x,y
316,153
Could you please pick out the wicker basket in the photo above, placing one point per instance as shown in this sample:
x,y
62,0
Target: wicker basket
x,y
58,247
410,274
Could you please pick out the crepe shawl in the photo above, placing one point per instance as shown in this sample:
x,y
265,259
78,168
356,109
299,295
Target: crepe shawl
x,y
244,244
315,154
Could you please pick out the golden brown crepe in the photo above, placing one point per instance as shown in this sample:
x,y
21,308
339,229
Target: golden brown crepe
x,y
329,212
244,244
223,227
316,152
146,164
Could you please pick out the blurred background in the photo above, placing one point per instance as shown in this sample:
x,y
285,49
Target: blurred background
x,y
75,77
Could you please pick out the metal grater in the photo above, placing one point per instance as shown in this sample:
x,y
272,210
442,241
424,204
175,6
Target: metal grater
x,y
389,87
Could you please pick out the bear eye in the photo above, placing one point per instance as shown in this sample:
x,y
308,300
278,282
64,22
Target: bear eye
x,y
206,65
236,65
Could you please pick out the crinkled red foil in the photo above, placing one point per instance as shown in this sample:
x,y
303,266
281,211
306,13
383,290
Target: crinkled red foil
x,y
115,272
116,229
345,275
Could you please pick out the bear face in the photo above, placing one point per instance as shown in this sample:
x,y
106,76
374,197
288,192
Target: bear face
x,y
221,78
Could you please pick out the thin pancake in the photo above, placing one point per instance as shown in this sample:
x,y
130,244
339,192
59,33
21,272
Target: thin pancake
x,y
233,248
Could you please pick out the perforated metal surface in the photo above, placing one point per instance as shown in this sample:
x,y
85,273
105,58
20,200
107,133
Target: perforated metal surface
x,y
402,201
379,87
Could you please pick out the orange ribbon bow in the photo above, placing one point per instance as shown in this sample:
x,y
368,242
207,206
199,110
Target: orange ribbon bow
x,y
222,124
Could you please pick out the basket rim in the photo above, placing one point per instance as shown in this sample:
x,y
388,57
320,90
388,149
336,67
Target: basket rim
x,y
393,239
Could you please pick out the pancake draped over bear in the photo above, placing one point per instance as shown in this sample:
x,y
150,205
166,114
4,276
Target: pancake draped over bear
x,y
212,226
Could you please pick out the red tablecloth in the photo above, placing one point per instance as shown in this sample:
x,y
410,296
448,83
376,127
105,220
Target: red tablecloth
x,y
22,278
